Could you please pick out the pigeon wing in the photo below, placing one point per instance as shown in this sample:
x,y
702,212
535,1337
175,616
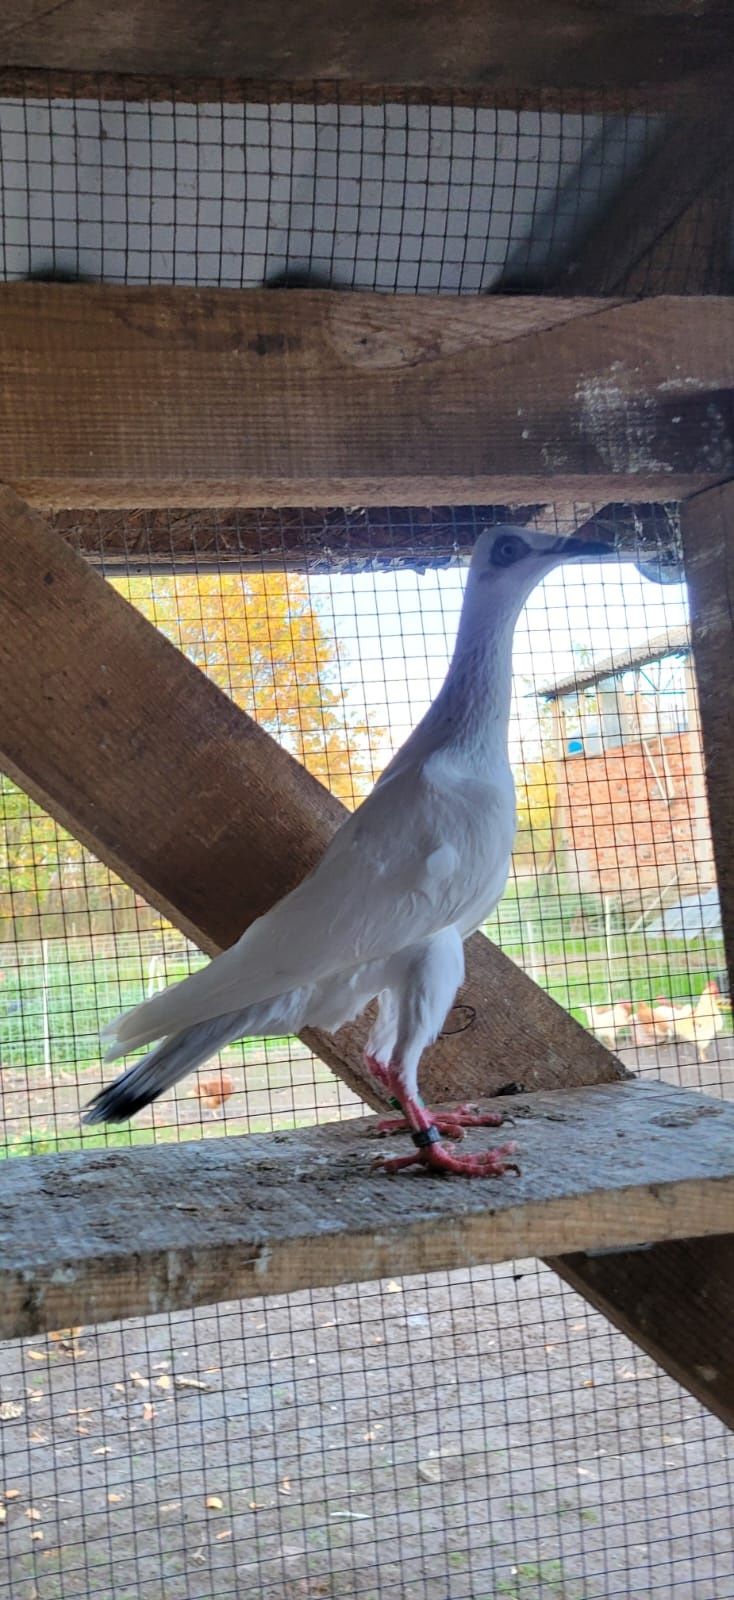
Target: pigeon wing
x,y
387,879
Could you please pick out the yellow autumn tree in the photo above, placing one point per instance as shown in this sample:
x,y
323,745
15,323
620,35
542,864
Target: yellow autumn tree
x,y
262,640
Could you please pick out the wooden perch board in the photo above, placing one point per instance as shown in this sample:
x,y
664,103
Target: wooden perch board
x,y
144,759
586,56
169,396
96,1235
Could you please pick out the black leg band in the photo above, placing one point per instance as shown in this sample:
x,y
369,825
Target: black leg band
x,y
426,1136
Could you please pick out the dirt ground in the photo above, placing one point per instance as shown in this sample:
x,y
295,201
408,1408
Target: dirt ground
x,y
464,1437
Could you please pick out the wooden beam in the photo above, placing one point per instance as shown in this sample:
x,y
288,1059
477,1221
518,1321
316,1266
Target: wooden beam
x,y
681,1312
668,232
127,744
91,1237
707,526
157,397
608,56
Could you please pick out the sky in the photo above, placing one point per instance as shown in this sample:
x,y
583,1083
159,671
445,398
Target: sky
x,y
396,631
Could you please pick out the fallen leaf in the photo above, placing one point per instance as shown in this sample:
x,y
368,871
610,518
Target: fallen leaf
x,y
392,1287
10,1409
3,1514
163,1382
213,1503
137,1377
191,1383
102,1450
12,1494
32,1514
226,1533
428,1473
256,1505
36,1534
149,1411
37,1355
115,1499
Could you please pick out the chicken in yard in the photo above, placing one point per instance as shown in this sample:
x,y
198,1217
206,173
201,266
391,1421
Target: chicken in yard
x,y
610,1022
409,875
704,1021
653,1023
213,1091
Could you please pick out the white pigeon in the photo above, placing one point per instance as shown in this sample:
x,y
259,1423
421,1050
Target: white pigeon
x,y
408,876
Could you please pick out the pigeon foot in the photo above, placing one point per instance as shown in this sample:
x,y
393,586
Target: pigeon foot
x,y
449,1123
487,1164
426,1130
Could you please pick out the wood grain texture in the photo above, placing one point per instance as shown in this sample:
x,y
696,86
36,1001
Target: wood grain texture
x,y
93,1236
168,396
681,1311
668,231
636,54
707,525
127,744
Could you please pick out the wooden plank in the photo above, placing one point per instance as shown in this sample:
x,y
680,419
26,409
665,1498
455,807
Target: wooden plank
x,y
681,1312
144,759
598,55
168,396
707,526
93,1236
648,240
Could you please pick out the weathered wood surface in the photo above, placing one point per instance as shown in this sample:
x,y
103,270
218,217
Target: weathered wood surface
x,y
707,526
92,1236
681,1313
111,729
669,229
169,396
588,55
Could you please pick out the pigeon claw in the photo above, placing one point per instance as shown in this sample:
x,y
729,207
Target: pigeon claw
x,y
486,1164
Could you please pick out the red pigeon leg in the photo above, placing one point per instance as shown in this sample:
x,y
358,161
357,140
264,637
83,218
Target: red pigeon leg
x,y
426,1131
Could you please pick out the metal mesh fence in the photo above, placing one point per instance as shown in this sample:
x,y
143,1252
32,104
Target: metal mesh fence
x,y
461,1435
374,193
468,1434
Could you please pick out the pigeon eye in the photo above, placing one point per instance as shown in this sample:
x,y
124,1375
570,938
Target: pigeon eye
x,y
507,550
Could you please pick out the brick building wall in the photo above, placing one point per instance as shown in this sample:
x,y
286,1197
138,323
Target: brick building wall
x,y
634,819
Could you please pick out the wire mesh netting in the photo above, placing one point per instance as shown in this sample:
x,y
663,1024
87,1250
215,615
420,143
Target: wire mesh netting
x,y
386,194
461,1435
464,1435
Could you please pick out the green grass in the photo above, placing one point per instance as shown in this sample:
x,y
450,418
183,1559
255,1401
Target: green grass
x,y
54,1001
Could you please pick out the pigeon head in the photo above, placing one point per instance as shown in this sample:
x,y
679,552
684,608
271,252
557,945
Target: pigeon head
x,y
511,560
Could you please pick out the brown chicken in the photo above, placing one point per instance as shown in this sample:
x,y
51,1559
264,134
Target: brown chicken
x,y
213,1091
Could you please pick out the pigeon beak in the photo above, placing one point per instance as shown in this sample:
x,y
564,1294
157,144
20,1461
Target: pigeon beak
x,y
587,549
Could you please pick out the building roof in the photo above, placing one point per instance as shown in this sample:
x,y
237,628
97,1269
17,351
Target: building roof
x,y
674,642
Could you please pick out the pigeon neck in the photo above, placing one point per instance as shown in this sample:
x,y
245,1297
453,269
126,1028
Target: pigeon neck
x,y
478,688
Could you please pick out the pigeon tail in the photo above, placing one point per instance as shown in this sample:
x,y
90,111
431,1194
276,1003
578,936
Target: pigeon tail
x,y
145,1080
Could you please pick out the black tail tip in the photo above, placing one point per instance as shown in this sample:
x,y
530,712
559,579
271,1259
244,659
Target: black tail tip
x,y
114,1104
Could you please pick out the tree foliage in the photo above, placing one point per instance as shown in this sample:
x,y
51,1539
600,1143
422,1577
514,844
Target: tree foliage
x,y
262,641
